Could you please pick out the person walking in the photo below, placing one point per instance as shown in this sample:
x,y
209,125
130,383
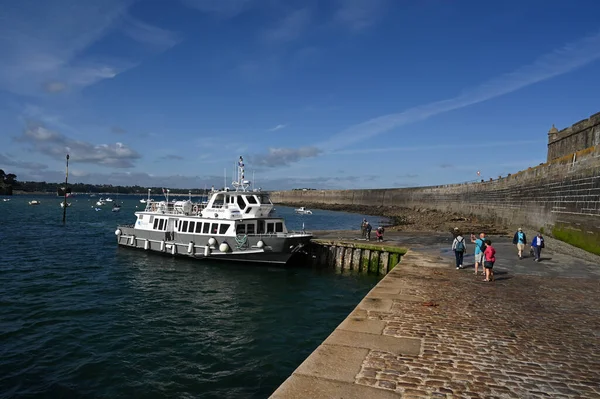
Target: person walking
x,y
520,240
379,233
537,244
368,229
363,229
479,248
459,247
489,256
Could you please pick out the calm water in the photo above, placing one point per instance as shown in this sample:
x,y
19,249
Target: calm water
x,y
80,317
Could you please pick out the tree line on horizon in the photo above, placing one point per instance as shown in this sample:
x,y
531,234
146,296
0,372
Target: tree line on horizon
x,y
9,182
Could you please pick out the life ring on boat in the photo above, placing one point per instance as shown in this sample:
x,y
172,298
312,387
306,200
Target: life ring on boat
x,y
195,208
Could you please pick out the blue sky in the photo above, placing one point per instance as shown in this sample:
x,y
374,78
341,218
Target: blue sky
x,y
313,93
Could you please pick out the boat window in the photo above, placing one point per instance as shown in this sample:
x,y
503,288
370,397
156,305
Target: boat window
x,y
250,229
206,228
155,225
251,199
279,227
184,226
249,209
214,228
177,223
264,199
141,217
231,200
223,228
261,227
199,227
219,201
161,224
240,229
241,203
191,227
270,227
151,218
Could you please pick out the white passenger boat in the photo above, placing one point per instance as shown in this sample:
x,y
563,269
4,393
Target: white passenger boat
x,y
303,211
233,225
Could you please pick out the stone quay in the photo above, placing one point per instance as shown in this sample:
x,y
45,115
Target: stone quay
x,y
427,330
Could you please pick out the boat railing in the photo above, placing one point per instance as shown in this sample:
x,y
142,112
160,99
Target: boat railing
x,y
170,209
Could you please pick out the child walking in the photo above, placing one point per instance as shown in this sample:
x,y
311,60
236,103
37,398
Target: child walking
x,y
489,259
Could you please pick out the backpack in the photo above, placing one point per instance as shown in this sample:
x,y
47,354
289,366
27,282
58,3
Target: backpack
x,y
460,246
482,247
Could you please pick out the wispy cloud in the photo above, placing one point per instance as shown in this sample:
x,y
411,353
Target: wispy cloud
x,y
40,43
6,160
284,156
359,14
56,145
289,28
560,61
160,39
43,43
278,127
432,147
447,165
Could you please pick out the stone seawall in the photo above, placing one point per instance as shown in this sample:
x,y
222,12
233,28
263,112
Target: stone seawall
x,y
582,135
561,197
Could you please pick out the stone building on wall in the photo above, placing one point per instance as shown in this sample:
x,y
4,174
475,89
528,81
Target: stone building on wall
x,y
582,135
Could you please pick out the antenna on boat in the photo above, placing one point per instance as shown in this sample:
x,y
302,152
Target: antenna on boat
x,y
241,184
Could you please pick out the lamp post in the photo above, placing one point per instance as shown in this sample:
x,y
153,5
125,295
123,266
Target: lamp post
x,y
65,198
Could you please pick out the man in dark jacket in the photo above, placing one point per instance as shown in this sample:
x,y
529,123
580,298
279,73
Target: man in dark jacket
x,y
520,240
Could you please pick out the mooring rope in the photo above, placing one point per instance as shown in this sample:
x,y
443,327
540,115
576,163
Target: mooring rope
x,y
241,241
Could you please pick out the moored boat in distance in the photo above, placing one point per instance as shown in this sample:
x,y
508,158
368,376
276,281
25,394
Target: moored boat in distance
x,y
34,202
303,211
232,225
62,204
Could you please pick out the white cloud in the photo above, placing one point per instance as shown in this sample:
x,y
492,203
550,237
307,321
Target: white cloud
x,y
561,61
56,145
278,127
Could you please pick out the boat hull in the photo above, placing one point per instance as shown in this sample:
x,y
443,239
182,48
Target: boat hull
x,y
277,249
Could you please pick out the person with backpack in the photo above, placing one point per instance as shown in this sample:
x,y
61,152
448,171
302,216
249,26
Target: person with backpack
x,y
479,249
368,229
459,247
520,240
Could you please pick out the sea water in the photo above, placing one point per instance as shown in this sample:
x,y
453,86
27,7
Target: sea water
x,y
80,317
